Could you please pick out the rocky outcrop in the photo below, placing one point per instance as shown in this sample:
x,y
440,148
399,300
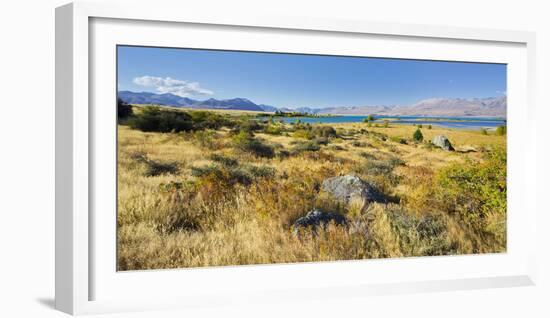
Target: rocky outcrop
x,y
443,143
349,188
315,219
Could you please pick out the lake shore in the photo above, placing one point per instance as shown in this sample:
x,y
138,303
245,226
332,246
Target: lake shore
x,y
472,123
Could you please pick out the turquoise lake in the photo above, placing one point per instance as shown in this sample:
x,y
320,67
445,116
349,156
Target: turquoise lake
x,y
447,122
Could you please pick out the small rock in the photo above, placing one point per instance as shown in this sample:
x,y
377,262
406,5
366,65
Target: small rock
x,y
443,143
317,218
349,187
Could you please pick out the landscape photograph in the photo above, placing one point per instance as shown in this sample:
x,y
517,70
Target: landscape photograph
x,y
229,158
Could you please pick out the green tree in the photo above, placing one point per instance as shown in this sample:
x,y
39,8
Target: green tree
x,y
417,136
123,109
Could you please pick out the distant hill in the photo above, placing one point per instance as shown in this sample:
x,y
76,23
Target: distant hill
x,y
495,106
268,108
455,107
177,101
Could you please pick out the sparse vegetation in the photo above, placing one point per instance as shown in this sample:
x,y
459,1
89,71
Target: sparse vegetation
x,y
200,188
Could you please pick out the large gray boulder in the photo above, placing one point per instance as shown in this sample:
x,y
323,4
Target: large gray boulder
x,y
348,188
443,143
317,218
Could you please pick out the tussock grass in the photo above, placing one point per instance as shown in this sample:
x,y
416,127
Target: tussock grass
x,y
223,195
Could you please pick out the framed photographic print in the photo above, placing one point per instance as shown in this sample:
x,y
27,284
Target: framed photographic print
x,y
206,160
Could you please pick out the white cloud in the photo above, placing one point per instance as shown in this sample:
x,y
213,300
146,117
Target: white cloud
x,y
172,85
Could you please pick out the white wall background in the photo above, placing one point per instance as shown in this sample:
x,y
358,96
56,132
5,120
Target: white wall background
x,y
27,157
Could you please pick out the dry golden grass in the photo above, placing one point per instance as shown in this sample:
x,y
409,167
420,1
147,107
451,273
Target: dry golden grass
x,y
212,223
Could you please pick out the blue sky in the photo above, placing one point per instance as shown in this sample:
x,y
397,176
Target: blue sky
x,y
291,80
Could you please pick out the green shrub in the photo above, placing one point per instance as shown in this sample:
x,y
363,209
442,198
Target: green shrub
x,y
325,131
483,131
419,125
224,160
386,123
205,139
417,135
224,177
273,129
246,142
302,133
209,120
429,126
157,168
367,155
309,132
396,161
381,167
227,176
321,140
501,130
173,186
476,194
152,119
379,171
249,125
424,235
261,171
306,146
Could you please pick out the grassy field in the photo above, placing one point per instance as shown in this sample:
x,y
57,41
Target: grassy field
x,y
221,188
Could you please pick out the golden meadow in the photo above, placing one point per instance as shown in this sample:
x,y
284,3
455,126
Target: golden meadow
x,y
214,188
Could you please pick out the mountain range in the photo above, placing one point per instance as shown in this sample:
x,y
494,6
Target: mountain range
x,y
456,107
168,99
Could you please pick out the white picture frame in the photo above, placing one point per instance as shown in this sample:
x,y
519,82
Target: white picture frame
x,y
85,280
